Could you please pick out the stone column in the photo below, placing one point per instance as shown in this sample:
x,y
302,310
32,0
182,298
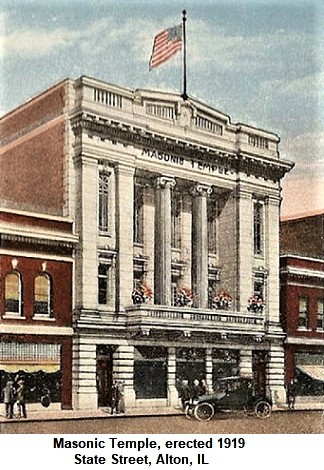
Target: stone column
x,y
123,370
162,263
245,364
173,398
124,215
200,246
209,369
84,386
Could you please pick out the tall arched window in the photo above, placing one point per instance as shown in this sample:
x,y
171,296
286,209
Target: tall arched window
x,y
13,293
43,295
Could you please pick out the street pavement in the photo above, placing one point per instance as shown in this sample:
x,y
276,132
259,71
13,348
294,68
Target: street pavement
x,y
162,421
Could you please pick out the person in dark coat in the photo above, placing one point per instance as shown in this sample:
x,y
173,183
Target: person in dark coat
x,y
21,399
115,397
184,393
9,396
291,394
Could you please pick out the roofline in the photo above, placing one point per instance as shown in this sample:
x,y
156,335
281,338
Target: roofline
x,y
32,99
301,257
302,215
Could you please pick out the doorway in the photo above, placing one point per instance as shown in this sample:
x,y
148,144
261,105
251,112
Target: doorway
x,y
104,374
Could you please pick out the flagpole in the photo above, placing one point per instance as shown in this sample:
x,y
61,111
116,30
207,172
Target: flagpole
x,y
184,19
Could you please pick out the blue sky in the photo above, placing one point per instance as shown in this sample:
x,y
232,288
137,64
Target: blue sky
x,y
261,62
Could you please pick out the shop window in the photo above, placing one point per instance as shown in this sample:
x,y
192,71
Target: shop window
x,y
176,205
138,222
103,201
320,313
303,312
150,372
13,293
43,295
225,363
258,228
212,225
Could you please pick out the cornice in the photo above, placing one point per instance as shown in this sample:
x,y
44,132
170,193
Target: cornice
x,y
139,137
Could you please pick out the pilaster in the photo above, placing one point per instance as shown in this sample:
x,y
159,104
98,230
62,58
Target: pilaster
x,y
86,265
124,215
245,364
124,372
172,391
84,386
244,245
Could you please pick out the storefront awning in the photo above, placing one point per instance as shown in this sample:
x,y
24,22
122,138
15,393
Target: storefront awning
x,y
14,368
316,372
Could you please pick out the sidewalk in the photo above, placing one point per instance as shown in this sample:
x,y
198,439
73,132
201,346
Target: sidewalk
x,y
101,413
104,413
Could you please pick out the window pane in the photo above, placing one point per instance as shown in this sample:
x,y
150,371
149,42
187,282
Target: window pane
x,y
103,201
176,203
12,293
257,228
138,214
103,284
212,225
303,312
42,294
320,313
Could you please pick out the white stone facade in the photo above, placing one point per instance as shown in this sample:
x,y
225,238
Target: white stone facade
x,y
183,151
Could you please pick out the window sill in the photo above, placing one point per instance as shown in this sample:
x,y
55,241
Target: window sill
x,y
104,234
106,308
43,317
303,328
13,316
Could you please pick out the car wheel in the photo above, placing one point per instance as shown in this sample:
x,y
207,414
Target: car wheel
x,y
204,411
262,409
189,411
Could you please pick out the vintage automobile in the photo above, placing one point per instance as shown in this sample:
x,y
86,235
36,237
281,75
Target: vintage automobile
x,y
231,393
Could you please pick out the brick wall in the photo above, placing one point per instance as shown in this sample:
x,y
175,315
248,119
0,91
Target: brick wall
x,y
29,268
303,236
32,164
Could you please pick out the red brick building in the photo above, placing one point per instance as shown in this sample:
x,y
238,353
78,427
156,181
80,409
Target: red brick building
x,y
36,250
302,299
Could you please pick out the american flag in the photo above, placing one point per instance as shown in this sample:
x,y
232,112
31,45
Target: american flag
x,y
166,44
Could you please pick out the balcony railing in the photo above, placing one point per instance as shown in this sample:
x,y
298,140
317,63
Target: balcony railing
x,y
171,317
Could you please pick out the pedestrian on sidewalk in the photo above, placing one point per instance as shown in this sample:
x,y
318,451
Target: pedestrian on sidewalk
x,y
115,397
122,397
21,399
9,397
291,394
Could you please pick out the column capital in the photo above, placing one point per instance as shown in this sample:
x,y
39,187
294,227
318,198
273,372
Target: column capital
x,y
202,190
164,181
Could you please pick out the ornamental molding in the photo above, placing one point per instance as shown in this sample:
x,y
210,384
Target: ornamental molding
x,y
139,137
29,239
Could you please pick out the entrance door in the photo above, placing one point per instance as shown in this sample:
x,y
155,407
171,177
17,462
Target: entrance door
x,y
259,362
104,374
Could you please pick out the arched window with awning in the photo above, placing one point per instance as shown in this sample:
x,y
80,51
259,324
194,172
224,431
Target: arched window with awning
x,y
43,295
13,293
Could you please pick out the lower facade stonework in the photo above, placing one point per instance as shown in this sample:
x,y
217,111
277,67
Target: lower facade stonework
x,y
151,372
